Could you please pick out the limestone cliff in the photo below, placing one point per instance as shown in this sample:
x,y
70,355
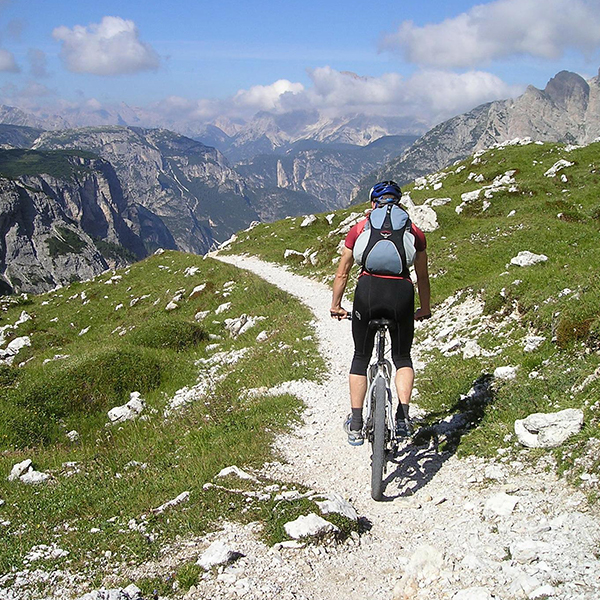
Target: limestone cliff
x,y
62,217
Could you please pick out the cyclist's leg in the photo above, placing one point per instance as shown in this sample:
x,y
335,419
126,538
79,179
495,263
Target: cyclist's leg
x,y
363,348
402,338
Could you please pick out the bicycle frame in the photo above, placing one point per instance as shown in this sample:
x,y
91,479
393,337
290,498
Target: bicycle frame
x,y
380,368
380,422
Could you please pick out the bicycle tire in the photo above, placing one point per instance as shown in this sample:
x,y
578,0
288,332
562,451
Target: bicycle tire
x,y
378,444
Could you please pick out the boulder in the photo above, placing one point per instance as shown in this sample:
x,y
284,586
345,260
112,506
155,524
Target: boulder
x,y
19,469
526,259
217,554
334,503
505,372
548,430
127,411
310,524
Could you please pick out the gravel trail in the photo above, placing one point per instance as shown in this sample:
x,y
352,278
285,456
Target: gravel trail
x,y
463,529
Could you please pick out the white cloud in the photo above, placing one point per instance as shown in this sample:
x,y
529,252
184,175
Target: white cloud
x,y
431,95
7,62
501,29
438,95
111,47
267,97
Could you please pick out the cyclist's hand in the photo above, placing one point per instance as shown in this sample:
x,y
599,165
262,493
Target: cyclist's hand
x,y
421,315
338,313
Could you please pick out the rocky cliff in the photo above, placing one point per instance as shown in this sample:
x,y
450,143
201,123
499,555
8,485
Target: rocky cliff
x,y
63,217
567,110
188,194
321,176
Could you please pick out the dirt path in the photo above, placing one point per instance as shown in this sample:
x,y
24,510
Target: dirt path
x,y
462,529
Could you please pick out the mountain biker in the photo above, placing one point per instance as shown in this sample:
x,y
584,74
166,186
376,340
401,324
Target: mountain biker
x,y
381,296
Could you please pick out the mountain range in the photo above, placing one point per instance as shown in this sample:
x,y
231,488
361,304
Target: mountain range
x,y
172,191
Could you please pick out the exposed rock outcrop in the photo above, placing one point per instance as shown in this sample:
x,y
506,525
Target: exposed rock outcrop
x,y
66,221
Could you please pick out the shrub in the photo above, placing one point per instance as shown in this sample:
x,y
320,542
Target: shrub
x,y
174,334
572,329
84,387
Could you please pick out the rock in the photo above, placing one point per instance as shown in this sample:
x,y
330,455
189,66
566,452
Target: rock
x,y
222,308
32,477
127,411
548,430
73,435
241,324
236,471
217,554
197,290
19,469
132,592
309,525
183,497
533,342
422,570
471,349
505,372
14,347
424,217
526,259
263,336
336,504
191,271
557,166
308,220
524,584
501,505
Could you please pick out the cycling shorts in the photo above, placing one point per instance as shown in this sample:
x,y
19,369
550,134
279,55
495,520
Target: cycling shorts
x,y
382,298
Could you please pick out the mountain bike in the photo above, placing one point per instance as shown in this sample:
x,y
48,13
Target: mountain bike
x,y
380,421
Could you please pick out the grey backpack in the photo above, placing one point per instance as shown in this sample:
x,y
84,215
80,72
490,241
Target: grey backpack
x,y
386,246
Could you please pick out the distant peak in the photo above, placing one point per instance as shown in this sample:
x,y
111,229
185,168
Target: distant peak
x,y
567,86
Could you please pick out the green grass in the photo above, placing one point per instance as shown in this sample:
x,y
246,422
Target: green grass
x,y
92,344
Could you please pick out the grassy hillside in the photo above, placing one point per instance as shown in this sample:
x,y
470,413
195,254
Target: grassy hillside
x,y
92,345
519,208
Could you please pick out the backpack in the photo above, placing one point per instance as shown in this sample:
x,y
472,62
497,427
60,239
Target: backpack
x,y
386,246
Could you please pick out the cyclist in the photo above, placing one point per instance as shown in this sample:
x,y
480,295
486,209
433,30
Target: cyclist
x,y
381,296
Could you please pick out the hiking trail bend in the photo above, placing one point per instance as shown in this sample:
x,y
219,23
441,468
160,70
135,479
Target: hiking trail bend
x,y
440,529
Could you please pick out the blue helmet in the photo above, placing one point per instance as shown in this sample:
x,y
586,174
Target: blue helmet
x,y
384,188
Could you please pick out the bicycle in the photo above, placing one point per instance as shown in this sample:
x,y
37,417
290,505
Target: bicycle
x,y
380,422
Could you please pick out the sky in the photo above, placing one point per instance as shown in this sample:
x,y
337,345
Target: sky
x,y
203,59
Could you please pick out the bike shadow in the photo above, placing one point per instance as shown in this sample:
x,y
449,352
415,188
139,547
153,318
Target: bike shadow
x,y
417,462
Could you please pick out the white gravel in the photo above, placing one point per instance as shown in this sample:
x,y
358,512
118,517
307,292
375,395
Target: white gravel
x,y
542,541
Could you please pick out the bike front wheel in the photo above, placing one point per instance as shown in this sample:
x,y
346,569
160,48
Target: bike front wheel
x,y
378,443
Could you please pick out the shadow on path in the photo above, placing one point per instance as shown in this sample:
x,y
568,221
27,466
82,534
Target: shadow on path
x,y
416,463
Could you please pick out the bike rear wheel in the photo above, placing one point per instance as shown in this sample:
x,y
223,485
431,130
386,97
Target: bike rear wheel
x,y
378,443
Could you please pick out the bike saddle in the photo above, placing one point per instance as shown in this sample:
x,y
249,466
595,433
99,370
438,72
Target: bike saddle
x,y
377,323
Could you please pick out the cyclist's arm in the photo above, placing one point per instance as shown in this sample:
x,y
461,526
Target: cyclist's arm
x,y
340,282
423,285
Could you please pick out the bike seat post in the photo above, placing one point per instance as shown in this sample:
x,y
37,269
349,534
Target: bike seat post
x,y
382,325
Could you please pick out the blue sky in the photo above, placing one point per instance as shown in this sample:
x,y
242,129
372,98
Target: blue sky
x,y
430,57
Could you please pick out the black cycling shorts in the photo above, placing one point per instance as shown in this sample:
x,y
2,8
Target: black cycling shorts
x,y
382,298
